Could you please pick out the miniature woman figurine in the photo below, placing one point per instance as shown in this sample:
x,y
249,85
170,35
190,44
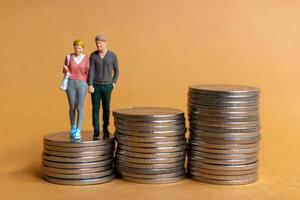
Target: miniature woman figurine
x,y
76,66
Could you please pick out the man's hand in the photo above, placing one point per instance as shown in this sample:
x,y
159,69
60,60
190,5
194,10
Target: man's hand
x,y
91,89
114,84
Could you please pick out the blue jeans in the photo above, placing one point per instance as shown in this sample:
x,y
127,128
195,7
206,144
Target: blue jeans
x,y
76,92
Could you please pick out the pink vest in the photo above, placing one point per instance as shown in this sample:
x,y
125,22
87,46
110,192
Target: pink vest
x,y
79,71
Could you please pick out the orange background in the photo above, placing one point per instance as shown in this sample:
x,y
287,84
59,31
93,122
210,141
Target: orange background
x,y
162,47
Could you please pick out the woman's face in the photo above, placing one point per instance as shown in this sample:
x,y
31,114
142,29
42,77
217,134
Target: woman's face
x,y
78,50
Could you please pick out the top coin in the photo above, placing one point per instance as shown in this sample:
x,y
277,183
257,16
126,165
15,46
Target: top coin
x,y
62,139
148,113
224,89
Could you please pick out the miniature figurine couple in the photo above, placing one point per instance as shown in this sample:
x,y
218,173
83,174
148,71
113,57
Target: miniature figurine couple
x,y
98,75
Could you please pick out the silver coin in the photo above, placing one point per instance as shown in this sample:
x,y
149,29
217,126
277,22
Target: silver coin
x,y
225,130
153,144
224,178
150,123
153,176
151,166
62,139
226,124
223,138
225,151
149,139
76,159
196,169
152,150
79,176
154,181
228,167
194,160
220,182
219,111
219,99
227,140
224,146
193,117
77,154
154,113
77,165
221,102
211,134
150,128
222,98
149,171
223,113
151,155
152,133
103,148
149,160
222,156
75,171
246,106
225,89
222,172
82,181
222,109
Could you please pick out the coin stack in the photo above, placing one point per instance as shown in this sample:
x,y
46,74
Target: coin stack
x,y
82,162
224,134
151,144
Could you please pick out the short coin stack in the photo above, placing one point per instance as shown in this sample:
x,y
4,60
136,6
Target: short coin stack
x,y
151,144
224,133
82,162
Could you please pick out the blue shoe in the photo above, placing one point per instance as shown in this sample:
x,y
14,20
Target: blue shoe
x,y
72,131
77,135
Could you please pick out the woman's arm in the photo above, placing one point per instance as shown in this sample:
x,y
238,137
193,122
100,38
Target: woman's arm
x,y
66,63
87,67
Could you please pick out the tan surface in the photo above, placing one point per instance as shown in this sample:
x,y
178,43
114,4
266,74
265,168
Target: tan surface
x,y
163,47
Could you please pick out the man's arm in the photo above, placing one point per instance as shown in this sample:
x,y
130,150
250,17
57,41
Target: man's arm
x,y
116,70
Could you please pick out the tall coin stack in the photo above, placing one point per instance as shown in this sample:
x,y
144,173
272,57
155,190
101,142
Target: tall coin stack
x,y
224,134
151,144
82,162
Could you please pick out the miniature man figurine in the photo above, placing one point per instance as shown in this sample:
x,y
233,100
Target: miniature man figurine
x,y
103,76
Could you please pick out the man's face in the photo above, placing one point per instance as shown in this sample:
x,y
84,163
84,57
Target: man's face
x,y
101,45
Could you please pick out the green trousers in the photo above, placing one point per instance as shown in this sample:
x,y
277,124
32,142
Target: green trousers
x,y
101,93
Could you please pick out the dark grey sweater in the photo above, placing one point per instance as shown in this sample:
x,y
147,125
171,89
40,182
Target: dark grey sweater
x,y
103,71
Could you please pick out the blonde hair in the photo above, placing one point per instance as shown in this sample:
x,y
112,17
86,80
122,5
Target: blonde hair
x,y
78,42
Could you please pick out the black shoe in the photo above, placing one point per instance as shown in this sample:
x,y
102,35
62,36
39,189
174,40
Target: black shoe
x,y
105,137
96,137
106,131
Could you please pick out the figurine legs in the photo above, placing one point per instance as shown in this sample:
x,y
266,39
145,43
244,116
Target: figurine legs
x,y
106,107
76,92
96,97
102,92
71,93
80,93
